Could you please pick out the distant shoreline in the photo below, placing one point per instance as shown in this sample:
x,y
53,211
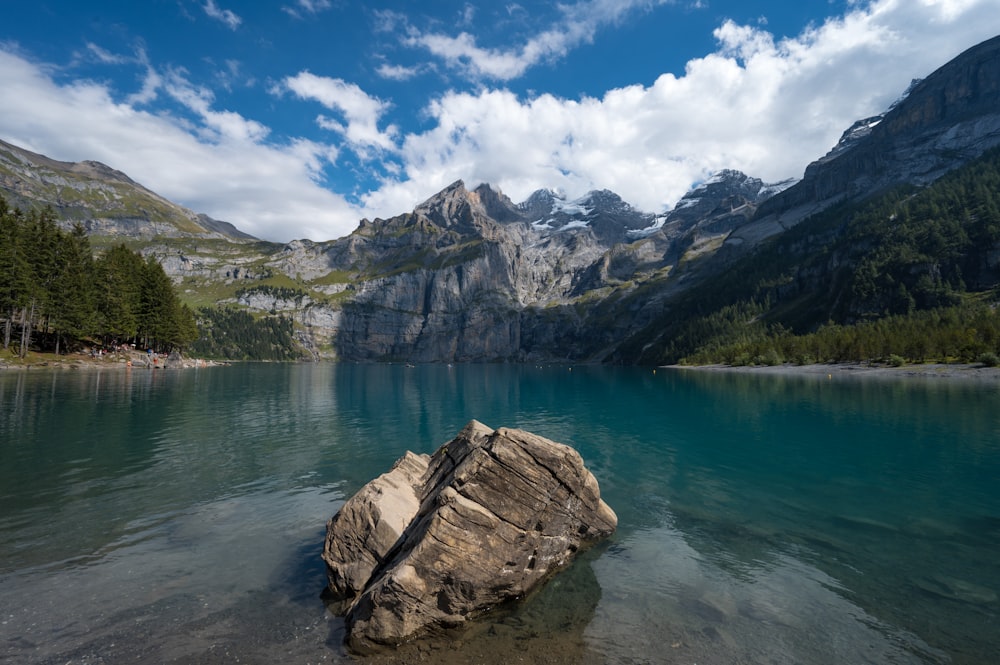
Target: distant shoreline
x,y
111,361
974,372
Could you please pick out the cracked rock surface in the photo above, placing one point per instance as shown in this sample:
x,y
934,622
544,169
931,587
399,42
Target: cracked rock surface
x,y
441,539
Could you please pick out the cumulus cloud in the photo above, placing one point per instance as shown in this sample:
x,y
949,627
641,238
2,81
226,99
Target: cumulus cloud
x,y
220,168
227,16
360,110
763,106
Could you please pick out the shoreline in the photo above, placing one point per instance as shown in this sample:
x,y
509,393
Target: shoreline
x,y
973,372
952,371
121,361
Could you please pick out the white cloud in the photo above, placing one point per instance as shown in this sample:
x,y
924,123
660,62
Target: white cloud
x,y
467,15
360,110
151,82
227,16
310,7
216,125
397,72
387,20
314,6
221,169
580,22
765,107
105,56
762,105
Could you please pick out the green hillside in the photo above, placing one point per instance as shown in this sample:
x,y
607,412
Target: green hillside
x,y
908,274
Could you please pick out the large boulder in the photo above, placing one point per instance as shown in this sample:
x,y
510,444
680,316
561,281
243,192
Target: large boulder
x,y
439,540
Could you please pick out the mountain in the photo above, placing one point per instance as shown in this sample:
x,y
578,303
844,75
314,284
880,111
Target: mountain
x,y
945,120
899,217
604,212
451,280
471,276
107,202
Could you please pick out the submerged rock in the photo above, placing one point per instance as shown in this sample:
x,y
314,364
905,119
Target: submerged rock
x,y
439,540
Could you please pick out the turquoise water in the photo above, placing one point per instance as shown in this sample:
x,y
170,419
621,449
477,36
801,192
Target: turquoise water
x,y
178,515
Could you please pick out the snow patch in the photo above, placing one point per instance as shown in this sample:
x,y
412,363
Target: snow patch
x,y
636,234
570,208
771,189
715,179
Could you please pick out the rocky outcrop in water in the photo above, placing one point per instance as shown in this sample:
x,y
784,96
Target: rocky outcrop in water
x,y
442,539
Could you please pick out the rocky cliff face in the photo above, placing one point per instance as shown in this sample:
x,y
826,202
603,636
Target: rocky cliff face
x,y
698,224
435,284
469,276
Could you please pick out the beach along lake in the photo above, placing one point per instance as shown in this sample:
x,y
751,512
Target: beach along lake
x,y
179,515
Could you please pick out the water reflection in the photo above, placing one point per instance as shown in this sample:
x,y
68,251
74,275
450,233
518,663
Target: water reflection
x,y
864,481
179,585
547,628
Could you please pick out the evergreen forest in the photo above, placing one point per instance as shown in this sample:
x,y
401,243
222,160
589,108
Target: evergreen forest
x,y
234,334
55,296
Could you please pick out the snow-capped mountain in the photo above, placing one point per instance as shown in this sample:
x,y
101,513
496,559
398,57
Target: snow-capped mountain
x,y
603,211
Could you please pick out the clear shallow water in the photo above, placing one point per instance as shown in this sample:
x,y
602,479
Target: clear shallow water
x,y
177,516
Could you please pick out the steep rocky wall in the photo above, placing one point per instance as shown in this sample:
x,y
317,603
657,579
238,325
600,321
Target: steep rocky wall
x,y
950,117
522,284
459,313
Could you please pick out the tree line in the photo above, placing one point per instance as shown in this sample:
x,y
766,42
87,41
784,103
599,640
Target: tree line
x,y
56,296
969,332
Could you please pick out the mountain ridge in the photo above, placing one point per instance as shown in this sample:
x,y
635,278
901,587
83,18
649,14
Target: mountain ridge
x,y
945,119
106,201
468,275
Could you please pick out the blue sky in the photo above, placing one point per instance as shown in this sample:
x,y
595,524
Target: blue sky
x,y
296,118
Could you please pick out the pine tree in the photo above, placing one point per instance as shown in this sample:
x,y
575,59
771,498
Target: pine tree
x,y
185,329
158,307
45,245
15,270
73,311
118,274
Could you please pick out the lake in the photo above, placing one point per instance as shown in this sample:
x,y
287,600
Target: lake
x,y
178,515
